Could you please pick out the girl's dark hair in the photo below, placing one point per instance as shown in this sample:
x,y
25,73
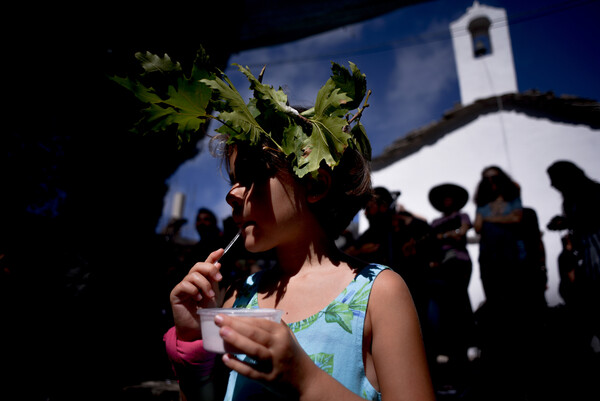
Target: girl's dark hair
x,y
350,191
350,180
505,187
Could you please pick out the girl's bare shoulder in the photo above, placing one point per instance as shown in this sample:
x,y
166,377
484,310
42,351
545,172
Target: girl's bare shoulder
x,y
389,291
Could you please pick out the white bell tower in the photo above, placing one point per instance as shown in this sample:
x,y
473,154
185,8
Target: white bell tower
x,y
483,53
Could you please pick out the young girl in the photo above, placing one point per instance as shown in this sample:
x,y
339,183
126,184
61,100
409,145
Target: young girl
x,y
349,330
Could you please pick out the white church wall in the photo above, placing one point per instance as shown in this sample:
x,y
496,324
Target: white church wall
x,y
523,146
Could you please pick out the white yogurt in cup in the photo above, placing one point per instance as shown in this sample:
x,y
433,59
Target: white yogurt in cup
x,y
212,341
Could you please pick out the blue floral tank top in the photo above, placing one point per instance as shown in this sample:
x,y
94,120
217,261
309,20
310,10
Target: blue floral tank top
x,y
333,338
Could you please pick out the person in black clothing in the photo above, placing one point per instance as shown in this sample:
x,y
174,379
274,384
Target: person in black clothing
x,y
211,237
450,327
568,260
375,244
411,246
580,279
535,277
581,216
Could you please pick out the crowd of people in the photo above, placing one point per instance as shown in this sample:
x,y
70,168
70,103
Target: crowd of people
x,y
509,334
513,332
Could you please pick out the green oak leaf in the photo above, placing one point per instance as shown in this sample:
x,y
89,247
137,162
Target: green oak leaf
x,y
293,135
276,98
153,63
184,104
318,135
143,93
329,101
240,118
326,143
361,140
187,105
355,85
329,138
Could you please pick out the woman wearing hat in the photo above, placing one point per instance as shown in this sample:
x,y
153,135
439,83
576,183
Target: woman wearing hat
x,y
451,318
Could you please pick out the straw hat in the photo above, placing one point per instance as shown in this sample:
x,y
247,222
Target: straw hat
x,y
459,195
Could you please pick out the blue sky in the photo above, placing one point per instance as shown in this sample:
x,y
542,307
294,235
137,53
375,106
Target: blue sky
x,y
408,60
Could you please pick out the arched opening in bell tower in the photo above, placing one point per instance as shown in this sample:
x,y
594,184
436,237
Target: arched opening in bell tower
x,y
480,36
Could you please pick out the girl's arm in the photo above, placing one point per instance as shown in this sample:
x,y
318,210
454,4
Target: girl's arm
x,y
192,364
397,345
199,288
193,367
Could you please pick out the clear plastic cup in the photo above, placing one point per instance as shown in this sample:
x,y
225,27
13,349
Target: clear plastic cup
x,y
212,341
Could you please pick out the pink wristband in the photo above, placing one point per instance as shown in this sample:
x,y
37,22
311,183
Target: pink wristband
x,y
182,353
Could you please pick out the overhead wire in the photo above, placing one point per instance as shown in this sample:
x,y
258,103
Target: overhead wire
x,y
434,36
